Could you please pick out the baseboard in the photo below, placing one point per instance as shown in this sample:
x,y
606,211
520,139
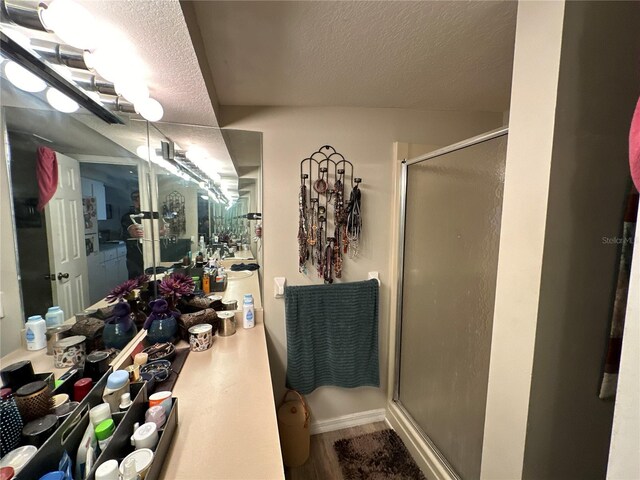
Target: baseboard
x,y
422,453
348,421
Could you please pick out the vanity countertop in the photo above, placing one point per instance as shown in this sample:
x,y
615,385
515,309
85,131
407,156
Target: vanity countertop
x,y
227,425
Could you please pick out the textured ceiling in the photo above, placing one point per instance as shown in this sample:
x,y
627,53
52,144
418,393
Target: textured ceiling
x,y
435,55
156,29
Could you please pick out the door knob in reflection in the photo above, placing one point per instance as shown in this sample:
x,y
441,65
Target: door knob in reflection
x,y
50,276
62,275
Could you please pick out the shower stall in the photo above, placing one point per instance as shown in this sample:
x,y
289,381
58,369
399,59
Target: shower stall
x,y
450,212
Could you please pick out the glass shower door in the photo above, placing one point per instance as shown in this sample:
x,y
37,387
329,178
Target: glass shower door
x,y
452,230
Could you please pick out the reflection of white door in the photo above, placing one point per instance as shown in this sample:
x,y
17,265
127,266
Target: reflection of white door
x,y
65,239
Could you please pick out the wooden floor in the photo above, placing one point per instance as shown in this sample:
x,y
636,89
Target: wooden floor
x,y
323,461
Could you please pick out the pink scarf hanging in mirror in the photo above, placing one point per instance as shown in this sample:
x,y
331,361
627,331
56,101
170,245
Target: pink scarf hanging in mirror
x,y
47,175
634,147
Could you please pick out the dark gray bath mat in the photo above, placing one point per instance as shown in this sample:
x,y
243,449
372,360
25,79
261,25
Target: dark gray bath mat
x,y
376,456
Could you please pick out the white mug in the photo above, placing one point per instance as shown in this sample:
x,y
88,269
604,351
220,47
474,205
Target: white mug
x,y
145,436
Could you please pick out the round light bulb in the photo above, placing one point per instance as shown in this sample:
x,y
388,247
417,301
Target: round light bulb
x,y
23,78
60,101
72,23
105,62
150,109
133,89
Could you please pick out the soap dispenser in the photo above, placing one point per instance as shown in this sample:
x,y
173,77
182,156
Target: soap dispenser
x,y
36,333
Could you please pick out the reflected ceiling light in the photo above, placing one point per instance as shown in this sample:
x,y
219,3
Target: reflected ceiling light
x,y
23,78
132,88
60,101
204,197
72,23
145,152
150,109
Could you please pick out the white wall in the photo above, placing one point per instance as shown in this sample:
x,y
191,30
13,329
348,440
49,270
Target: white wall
x,y
12,321
366,137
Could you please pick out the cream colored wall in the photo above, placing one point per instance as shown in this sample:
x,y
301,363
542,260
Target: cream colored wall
x,y
12,321
366,137
529,153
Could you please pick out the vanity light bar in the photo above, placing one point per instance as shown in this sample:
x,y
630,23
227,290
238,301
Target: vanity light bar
x,y
13,51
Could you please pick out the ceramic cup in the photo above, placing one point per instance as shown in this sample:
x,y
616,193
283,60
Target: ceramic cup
x,y
200,337
69,352
145,436
161,398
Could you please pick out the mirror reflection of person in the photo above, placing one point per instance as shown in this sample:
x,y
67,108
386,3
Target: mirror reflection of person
x,y
131,233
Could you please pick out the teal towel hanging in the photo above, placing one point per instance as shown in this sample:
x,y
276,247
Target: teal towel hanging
x,y
332,335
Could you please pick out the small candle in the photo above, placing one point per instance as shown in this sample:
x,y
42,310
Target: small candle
x,y
140,359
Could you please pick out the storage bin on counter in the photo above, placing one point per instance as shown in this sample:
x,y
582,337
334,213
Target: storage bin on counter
x,y
68,434
120,444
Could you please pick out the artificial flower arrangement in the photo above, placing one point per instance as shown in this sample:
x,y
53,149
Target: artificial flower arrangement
x,y
162,322
120,328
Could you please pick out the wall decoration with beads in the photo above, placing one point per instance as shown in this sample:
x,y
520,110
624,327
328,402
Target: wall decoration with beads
x,y
330,223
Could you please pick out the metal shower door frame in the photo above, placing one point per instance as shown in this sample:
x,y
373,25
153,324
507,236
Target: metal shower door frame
x,y
400,269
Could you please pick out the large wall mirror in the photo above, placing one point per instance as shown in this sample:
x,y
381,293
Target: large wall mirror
x,y
129,198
